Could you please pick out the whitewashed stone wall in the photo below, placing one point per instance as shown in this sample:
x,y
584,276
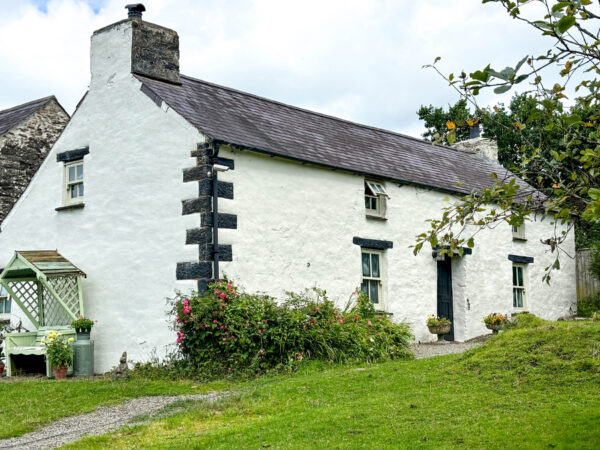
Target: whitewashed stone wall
x,y
295,230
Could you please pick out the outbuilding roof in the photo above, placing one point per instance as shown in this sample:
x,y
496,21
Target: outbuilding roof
x,y
13,116
278,129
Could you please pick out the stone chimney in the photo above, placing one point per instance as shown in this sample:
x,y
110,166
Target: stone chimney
x,y
488,148
134,46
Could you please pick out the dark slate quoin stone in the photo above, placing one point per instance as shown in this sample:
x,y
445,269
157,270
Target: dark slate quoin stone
x,y
194,270
224,220
224,188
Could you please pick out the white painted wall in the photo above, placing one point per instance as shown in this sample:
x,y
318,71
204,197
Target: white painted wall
x,y
295,230
131,233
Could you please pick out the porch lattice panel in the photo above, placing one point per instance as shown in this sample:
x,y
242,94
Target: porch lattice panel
x,y
26,291
68,291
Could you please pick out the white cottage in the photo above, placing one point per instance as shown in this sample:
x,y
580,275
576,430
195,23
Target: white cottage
x,y
302,199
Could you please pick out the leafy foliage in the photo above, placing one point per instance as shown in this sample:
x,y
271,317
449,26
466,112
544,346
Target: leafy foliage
x,y
434,321
563,157
586,307
82,323
59,351
225,330
495,319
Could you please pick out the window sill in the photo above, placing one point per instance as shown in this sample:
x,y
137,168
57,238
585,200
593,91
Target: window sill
x,y
70,207
519,239
371,216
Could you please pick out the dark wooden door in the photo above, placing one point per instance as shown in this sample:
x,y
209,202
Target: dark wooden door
x,y
444,294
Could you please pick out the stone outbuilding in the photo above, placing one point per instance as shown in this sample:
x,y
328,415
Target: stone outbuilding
x,y
27,133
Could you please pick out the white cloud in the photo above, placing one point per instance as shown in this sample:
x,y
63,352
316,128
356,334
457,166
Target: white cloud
x,y
357,59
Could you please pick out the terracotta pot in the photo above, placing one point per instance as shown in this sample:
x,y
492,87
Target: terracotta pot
x,y
1,369
440,329
60,373
495,327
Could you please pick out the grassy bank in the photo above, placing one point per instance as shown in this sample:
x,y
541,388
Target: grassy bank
x,y
531,387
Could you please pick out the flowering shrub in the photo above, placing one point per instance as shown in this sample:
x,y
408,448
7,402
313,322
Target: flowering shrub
x,y
82,323
227,330
58,349
495,319
434,321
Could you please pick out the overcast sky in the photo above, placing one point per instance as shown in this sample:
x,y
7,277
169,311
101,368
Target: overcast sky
x,y
360,60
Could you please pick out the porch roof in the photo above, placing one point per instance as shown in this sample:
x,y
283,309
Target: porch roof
x,y
49,262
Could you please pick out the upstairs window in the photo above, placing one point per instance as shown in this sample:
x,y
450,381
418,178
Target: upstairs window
x,y
371,275
518,233
519,272
375,199
73,183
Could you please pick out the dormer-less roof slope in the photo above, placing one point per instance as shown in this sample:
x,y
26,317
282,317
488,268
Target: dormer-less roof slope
x,y
278,129
13,116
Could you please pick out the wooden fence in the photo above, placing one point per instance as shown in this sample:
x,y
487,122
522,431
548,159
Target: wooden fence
x,y
587,284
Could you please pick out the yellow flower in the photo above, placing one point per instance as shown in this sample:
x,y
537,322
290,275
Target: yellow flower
x,y
451,125
51,339
43,341
71,339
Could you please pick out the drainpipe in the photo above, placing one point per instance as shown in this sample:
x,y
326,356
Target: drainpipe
x,y
216,168
215,208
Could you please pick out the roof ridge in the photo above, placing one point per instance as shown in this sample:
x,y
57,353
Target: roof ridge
x,y
338,119
39,100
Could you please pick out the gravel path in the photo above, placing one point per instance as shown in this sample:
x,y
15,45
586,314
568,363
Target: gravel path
x,y
101,421
436,349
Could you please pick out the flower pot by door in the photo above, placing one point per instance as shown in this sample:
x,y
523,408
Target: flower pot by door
x,y
495,327
60,373
1,369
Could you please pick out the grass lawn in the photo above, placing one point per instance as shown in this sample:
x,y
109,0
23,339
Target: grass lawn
x,y
532,387
28,404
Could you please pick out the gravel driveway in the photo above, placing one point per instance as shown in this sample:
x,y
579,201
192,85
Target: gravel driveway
x,y
101,421
446,348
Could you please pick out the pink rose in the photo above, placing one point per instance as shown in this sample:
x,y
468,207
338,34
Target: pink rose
x,y
223,296
259,331
224,339
215,321
229,286
369,322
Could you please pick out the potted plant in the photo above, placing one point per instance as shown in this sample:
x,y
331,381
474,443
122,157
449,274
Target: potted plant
x,y
83,327
438,325
495,322
59,353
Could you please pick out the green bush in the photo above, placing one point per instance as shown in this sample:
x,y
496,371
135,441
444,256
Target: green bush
x,y
587,306
226,330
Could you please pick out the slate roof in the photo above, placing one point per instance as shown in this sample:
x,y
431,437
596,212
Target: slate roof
x,y
13,116
278,129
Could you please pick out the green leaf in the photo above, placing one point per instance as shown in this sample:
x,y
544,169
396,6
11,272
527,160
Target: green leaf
x,y
565,23
570,120
471,243
560,5
594,193
502,89
520,63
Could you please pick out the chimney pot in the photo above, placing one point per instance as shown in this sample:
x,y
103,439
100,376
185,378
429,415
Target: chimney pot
x,y
474,131
135,10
